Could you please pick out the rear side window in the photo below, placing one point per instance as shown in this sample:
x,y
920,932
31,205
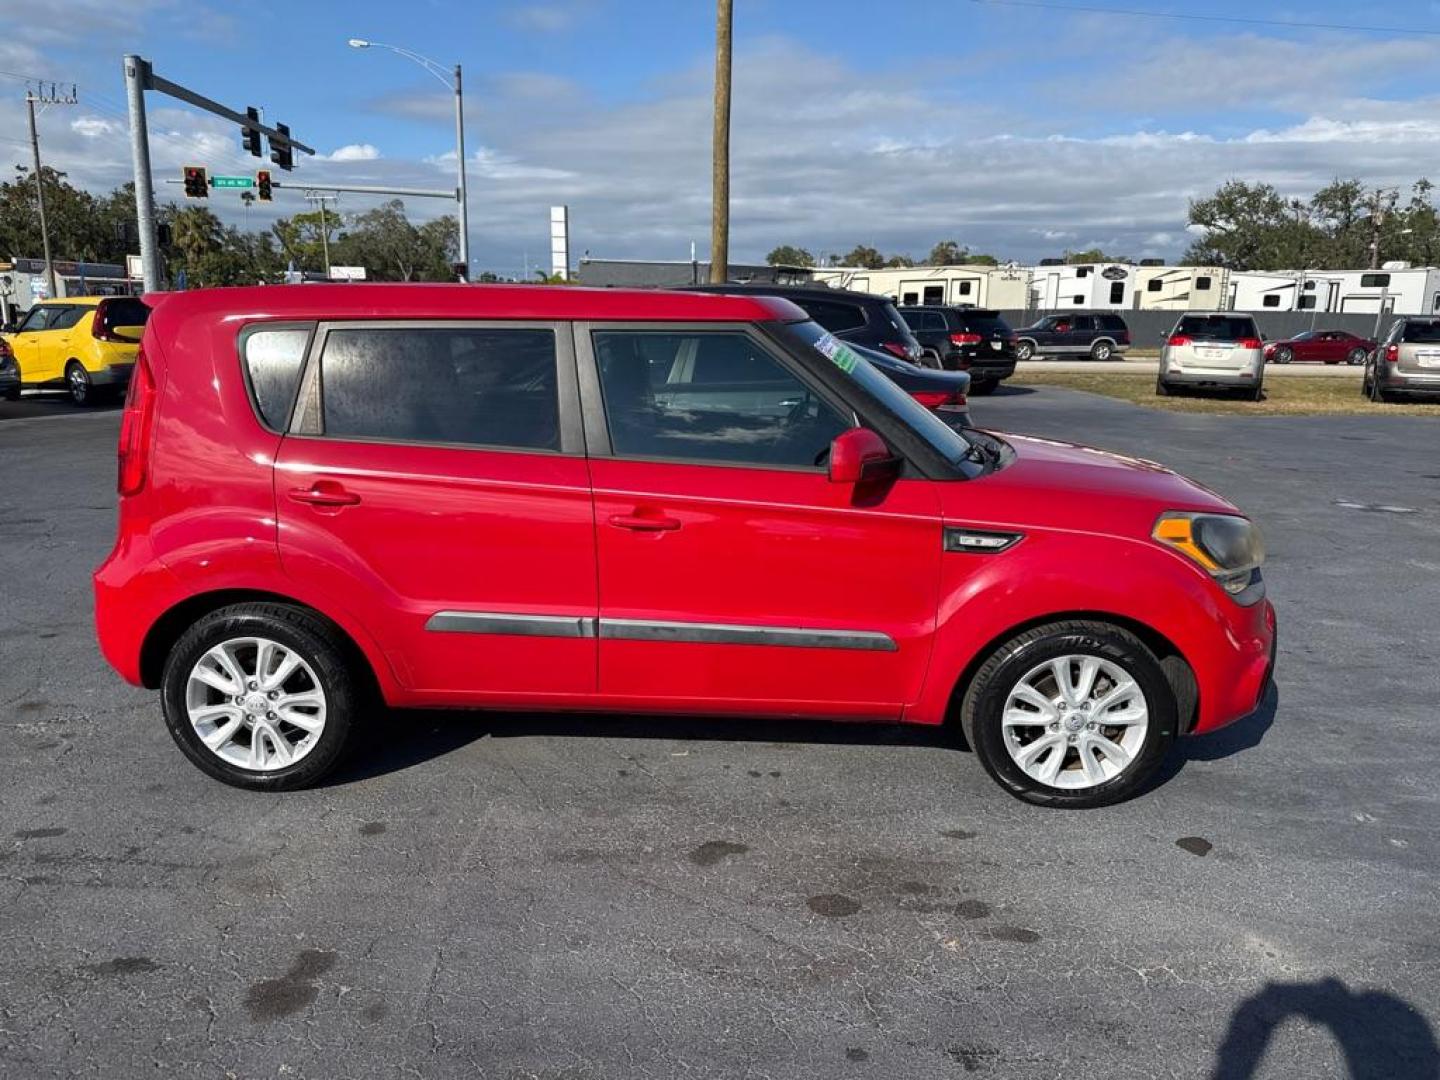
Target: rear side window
x,y
273,358
467,385
1425,333
833,316
1217,327
125,311
1113,322
68,317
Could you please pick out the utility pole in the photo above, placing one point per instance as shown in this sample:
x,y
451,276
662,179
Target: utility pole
x,y
52,98
1382,202
321,198
720,148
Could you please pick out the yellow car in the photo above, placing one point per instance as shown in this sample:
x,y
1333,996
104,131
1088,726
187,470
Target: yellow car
x,y
85,344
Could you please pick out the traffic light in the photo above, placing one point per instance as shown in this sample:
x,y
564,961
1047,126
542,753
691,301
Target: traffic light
x,y
197,183
281,152
250,137
262,184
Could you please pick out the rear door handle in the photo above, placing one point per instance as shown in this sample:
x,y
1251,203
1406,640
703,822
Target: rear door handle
x,y
324,493
644,522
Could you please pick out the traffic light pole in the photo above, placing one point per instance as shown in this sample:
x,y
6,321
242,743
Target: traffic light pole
x,y
140,157
139,77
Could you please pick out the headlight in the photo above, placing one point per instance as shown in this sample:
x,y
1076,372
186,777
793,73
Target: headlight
x,y
1228,547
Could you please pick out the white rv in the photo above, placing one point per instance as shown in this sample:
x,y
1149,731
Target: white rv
x,y
979,286
1181,288
1087,286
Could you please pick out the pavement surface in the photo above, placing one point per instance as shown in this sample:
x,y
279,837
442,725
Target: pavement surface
x,y
525,897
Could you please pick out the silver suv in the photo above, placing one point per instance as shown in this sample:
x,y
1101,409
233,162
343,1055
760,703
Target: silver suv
x,y
1222,351
1406,362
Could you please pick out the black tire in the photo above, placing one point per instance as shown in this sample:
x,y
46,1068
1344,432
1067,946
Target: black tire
x,y
981,387
1258,394
1378,393
1025,350
1356,357
1102,350
984,701
346,687
1284,354
1163,389
13,393
79,385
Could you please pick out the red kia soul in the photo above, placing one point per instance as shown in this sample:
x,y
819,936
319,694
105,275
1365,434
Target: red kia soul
x,y
567,499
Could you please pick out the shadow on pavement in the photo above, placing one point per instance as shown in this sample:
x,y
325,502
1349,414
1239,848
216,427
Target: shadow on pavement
x,y
1005,389
1383,1037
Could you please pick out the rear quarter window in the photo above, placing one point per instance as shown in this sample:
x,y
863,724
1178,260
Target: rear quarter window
x,y
833,315
273,357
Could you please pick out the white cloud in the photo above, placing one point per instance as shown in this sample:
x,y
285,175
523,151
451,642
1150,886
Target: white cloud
x,y
351,152
545,18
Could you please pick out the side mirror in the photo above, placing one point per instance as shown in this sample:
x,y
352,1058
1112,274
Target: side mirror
x,y
859,454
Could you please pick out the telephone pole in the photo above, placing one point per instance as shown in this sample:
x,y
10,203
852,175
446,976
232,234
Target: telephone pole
x,y
320,198
720,148
52,98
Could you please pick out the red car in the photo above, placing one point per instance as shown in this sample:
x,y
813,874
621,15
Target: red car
x,y
570,499
1320,346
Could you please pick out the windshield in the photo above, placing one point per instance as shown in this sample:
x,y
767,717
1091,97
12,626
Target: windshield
x,y
1425,333
951,444
1217,327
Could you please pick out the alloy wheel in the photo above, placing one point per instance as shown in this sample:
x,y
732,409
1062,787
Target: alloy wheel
x,y
255,704
1075,722
79,384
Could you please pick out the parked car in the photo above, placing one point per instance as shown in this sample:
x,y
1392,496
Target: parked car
x,y
1217,351
9,373
873,325
1100,337
970,339
858,318
528,497
1320,346
1406,362
83,344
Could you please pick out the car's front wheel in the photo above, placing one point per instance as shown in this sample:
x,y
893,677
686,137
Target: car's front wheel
x,y
1284,355
1071,714
262,696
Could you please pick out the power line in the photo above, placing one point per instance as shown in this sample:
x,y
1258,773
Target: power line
x,y
1136,13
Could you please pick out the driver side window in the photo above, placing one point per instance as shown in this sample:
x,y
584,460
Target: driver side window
x,y
714,397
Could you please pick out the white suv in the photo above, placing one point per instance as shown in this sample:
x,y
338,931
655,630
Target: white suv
x,y
1222,350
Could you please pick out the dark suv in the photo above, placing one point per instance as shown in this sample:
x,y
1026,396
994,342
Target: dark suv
x,y
970,339
1100,337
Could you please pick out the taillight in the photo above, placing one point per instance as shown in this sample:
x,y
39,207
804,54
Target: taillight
x,y
966,339
941,400
1392,353
896,349
100,326
136,425
1251,343
1178,339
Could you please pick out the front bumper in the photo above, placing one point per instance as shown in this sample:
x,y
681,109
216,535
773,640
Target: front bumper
x,y
1236,671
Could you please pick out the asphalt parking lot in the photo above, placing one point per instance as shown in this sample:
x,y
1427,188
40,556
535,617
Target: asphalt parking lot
x,y
525,897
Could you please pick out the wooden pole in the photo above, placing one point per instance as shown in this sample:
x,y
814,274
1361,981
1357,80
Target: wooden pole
x,y
720,149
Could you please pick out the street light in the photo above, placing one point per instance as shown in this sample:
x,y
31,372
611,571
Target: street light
x,y
451,80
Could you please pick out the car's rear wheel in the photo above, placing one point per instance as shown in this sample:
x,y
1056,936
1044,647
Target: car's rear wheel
x,y
262,696
1024,350
1163,389
931,359
981,387
1356,357
12,393
1071,714
1378,393
1102,350
1284,354
1257,394
77,382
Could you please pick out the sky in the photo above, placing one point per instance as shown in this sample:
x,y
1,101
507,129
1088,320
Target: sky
x,y
1013,129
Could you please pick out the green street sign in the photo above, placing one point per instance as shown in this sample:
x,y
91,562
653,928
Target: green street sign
x,y
232,181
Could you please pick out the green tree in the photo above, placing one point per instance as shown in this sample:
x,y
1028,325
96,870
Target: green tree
x,y
861,255
947,253
785,255
899,261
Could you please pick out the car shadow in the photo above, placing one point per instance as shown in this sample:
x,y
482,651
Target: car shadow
x,y
1382,1037
431,734
1244,734
1007,390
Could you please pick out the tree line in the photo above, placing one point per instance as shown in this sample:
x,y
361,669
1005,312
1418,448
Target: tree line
x,y
101,228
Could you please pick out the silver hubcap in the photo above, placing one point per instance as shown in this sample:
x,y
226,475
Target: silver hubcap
x,y
1075,722
255,704
77,383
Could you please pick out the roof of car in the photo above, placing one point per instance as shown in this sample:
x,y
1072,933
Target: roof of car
x,y
456,301
809,292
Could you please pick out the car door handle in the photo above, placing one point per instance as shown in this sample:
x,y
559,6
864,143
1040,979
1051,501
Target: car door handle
x,y
644,522
324,493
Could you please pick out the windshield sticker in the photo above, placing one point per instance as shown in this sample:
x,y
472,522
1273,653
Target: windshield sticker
x,y
834,350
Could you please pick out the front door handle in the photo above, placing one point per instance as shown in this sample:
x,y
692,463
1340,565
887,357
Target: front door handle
x,y
324,493
638,522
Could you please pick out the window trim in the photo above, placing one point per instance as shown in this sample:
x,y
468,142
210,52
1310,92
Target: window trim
x,y
307,419
597,429
249,330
